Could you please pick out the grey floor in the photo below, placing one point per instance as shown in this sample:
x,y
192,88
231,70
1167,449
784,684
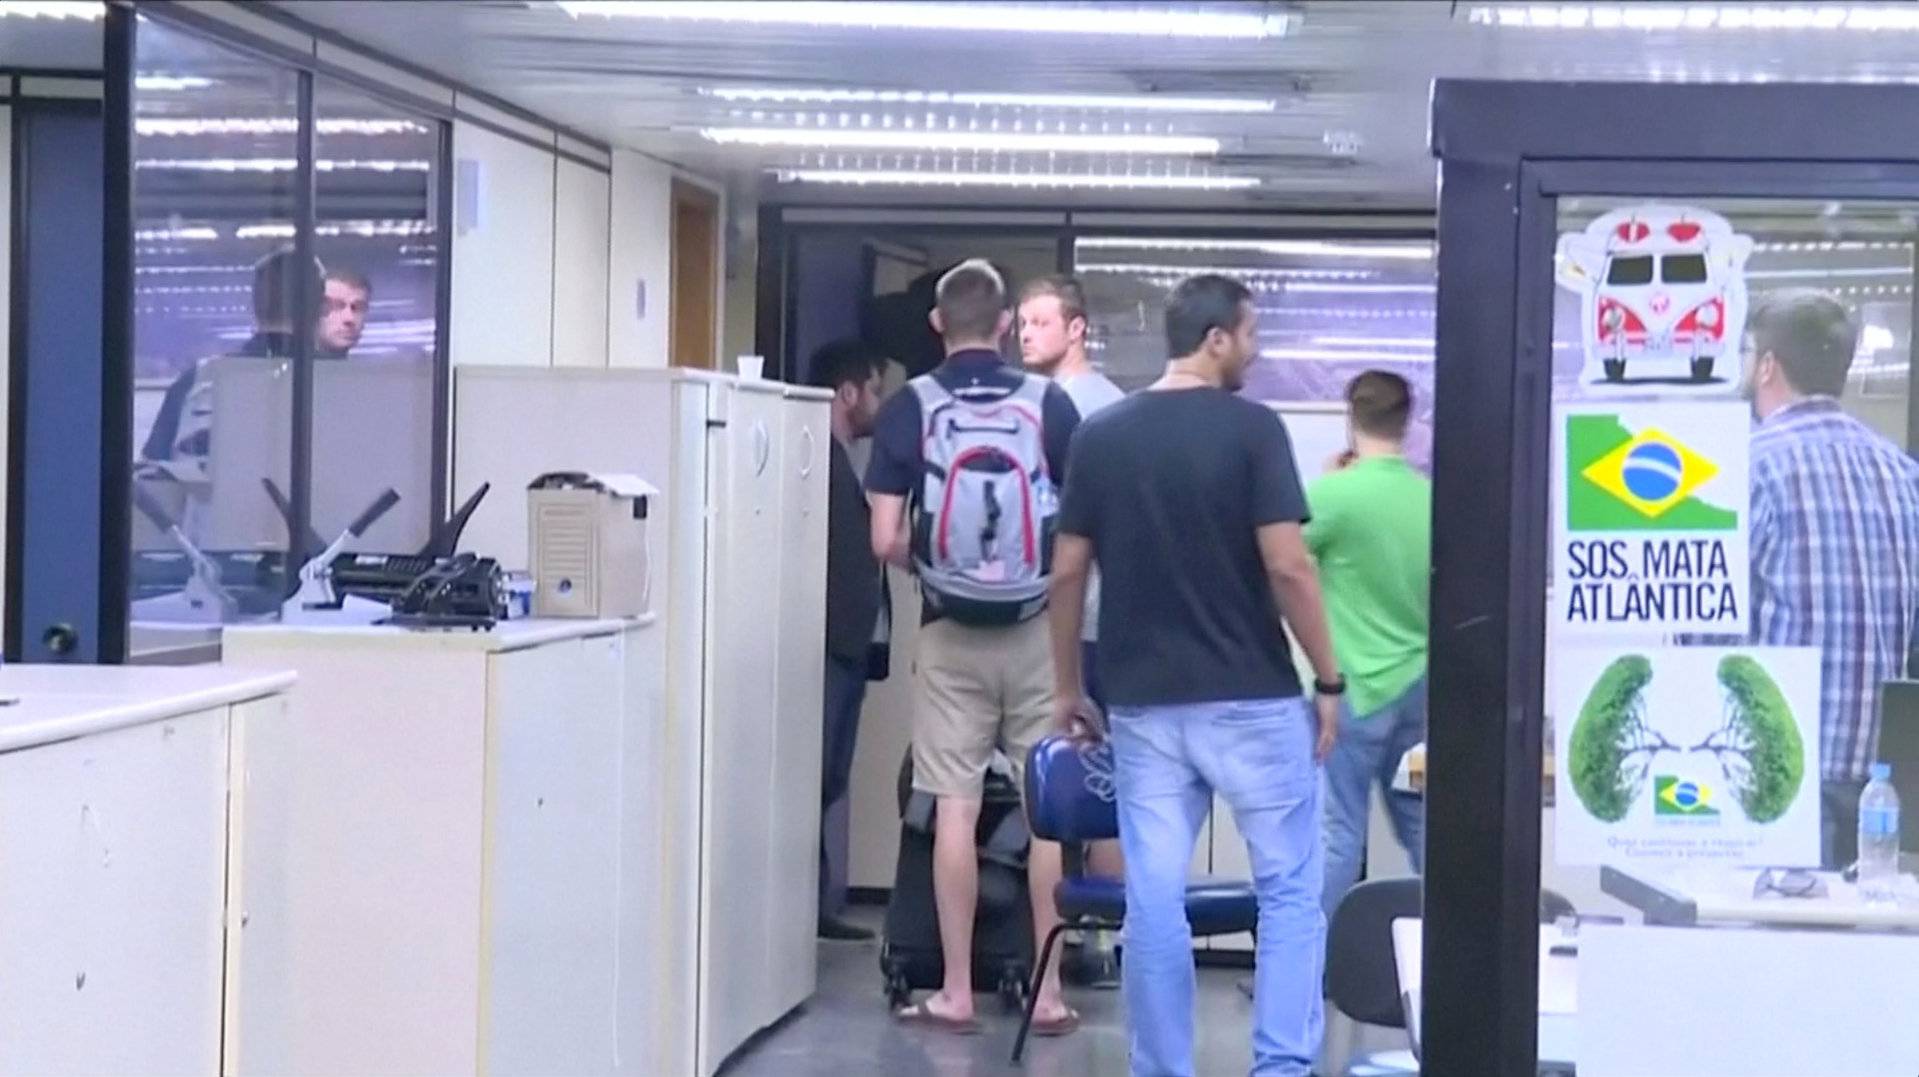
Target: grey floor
x,y
845,1031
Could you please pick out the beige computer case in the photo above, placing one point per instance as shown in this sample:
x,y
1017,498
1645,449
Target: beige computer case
x,y
588,543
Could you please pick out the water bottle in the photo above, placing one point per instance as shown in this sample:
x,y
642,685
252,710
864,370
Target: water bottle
x,y
1879,836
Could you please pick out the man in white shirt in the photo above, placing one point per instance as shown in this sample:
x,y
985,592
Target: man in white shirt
x,y
1052,341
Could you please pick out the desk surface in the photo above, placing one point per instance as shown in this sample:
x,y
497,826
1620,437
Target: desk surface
x,y
506,636
51,703
1686,896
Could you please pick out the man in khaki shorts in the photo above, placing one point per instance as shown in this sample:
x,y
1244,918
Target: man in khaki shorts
x,y
977,448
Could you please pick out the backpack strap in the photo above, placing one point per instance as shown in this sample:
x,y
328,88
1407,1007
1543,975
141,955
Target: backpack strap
x,y
932,396
1032,390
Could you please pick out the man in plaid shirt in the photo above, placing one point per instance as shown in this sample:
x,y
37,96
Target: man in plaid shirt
x,y
1835,538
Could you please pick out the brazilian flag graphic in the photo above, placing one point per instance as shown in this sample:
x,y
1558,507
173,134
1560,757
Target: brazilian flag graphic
x,y
1621,481
1681,796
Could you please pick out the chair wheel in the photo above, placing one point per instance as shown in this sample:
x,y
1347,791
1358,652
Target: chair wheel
x,y
1012,993
898,994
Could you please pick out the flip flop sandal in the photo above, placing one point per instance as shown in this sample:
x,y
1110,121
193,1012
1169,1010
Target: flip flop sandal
x,y
919,1014
1064,1025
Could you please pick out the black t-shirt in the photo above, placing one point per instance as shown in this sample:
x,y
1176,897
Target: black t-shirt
x,y
1172,487
852,572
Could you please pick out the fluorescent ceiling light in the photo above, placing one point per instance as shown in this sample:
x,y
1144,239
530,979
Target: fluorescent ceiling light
x,y
1863,271
820,138
1009,18
274,164
165,83
1160,269
1337,356
53,9
158,235
1373,289
1870,17
272,126
1378,342
1052,180
1307,247
1124,102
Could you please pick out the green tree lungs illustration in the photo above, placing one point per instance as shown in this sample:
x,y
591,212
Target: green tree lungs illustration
x,y
1612,746
1758,747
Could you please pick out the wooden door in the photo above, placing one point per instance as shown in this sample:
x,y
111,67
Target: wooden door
x,y
695,285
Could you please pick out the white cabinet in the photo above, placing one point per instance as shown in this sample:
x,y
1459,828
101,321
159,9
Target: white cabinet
x,y
738,549
114,787
434,865
794,864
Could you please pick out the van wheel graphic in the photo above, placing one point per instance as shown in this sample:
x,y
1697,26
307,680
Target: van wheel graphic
x,y
1702,368
1615,370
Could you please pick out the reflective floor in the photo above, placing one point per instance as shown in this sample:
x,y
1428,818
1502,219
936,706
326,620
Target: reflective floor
x,y
845,1031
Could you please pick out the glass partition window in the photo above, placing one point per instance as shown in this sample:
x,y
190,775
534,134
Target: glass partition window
x,y
215,207
1735,521
376,234
1329,309
227,318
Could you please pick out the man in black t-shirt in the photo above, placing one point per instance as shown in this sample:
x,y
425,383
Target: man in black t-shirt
x,y
851,369
1188,497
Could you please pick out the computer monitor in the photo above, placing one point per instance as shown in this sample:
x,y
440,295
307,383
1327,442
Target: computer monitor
x,y
372,430
1899,745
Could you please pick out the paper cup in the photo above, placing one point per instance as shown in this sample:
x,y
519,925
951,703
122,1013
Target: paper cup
x,y
752,367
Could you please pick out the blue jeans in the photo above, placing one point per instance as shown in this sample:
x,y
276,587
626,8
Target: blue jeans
x,y
1168,762
1369,750
844,691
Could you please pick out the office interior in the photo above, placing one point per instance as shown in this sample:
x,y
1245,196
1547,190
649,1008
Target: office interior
x,y
557,238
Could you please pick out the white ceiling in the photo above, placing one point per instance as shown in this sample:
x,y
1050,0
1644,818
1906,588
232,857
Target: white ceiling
x,y
1354,73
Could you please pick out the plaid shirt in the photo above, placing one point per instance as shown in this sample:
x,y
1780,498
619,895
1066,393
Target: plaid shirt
x,y
1835,564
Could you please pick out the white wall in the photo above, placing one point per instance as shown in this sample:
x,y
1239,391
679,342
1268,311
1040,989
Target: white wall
x,y
641,260
739,290
550,269
502,302
582,245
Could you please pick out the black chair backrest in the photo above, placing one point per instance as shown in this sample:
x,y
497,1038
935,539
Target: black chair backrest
x,y
1362,978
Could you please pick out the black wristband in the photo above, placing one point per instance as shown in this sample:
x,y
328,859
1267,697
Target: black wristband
x,y
1336,688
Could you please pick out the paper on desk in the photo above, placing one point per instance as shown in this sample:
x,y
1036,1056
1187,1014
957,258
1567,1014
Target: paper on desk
x,y
1558,978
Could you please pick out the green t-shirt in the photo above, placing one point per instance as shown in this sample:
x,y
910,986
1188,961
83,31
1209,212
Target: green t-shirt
x,y
1371,533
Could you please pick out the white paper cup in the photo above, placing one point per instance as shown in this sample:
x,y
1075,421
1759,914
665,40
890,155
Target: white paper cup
x,y
752,367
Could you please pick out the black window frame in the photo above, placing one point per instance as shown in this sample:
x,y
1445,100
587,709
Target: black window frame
x,y
120,57
1507,152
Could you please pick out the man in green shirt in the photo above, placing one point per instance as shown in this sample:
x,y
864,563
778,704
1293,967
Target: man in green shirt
x,y
1371,533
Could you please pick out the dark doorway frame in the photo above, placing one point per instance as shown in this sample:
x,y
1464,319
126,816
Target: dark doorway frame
x,y
1507,152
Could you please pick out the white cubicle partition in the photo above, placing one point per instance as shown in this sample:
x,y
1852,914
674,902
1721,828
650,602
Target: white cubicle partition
x,y
114,793
436,876
739,562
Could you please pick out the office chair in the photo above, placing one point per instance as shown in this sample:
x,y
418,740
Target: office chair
x,y
1362,978
1070,798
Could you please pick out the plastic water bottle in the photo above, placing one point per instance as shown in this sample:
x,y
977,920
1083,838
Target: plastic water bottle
x,y
1879,836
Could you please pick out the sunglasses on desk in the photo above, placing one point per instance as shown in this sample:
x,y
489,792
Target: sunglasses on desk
x,y
1788,883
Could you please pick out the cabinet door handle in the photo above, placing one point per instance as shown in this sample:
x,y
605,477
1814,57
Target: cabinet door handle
x,y
806,462
762,448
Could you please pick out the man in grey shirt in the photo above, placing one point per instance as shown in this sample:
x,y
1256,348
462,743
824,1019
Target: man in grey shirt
x,y
1052,341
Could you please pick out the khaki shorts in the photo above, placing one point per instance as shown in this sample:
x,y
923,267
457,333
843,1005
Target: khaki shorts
x,y
979,689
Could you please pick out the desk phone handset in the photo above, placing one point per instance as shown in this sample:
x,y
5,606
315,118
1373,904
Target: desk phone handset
x,y
464,591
